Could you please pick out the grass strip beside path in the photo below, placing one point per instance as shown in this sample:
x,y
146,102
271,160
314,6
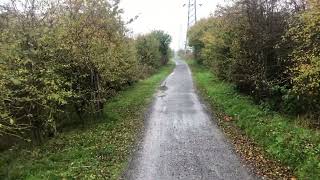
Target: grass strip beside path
x,y
100,151
278,136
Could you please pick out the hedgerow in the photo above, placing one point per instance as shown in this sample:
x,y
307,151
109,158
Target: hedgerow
x,y
268,49
62,57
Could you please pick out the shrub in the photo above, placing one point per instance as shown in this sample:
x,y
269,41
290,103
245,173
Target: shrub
x,y
61,57
304,34
153,49
268,49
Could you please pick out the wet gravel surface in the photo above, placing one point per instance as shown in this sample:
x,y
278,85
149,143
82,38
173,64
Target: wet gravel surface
x,y
181,141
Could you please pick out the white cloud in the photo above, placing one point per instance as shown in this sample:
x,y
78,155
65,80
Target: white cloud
x,y
167,15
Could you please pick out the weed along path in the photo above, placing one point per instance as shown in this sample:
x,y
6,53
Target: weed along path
x,y
180,140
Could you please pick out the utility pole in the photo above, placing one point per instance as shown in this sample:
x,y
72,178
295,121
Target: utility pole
x,y
192,12
192,16
195,10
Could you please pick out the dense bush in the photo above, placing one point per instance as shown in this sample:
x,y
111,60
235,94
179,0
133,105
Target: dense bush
x,y
164,45
268,49
148,53
152,47
64,56
304,34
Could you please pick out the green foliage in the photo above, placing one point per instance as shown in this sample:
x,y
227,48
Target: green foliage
x,y
211,41
304,34
280,137
268,49
153,49
98,151
58,57
196,37
164,48
148,53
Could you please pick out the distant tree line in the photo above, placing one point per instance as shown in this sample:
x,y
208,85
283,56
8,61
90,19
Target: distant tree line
x,y
59,57
270,49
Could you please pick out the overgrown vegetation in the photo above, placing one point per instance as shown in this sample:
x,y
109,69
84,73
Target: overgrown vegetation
x,y
63,57
96,151
269,49
153,50
280,137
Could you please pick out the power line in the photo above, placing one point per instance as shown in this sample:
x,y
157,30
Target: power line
x,y
192,16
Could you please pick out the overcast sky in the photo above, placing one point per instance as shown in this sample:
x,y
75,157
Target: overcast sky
x,y
167,15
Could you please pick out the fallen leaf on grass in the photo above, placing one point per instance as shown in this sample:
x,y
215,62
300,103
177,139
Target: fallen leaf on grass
x,y
227,118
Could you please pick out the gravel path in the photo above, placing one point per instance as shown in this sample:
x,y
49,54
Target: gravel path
x,y
180,140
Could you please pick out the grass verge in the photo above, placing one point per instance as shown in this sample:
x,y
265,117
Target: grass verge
x,y
279,137
100,151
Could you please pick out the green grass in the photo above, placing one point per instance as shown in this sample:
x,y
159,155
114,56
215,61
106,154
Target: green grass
x,y
279,136
99,151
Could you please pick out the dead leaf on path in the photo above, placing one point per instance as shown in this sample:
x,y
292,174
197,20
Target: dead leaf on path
x,y
227,118
252,153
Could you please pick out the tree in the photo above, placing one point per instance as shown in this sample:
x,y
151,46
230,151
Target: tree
x,y
164,48
268,49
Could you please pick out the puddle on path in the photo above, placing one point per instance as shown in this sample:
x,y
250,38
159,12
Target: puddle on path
x,y
162,90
